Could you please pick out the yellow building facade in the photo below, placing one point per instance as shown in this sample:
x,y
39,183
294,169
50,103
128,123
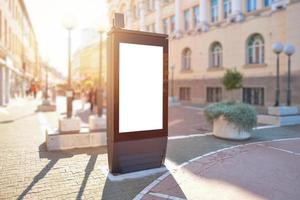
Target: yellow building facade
x,y
19,57
86,62
206,37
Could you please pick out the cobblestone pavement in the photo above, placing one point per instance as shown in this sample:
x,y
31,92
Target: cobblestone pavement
x,y
186,120
28,171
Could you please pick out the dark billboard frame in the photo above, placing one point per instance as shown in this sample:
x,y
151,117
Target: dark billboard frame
x,y
130,147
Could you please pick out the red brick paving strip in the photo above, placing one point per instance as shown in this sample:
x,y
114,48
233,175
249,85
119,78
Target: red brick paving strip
x,y
253,171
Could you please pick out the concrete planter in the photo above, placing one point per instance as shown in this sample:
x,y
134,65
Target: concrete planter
x,y
83,139
227,130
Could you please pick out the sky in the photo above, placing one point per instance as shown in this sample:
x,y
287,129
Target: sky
x,y
46,17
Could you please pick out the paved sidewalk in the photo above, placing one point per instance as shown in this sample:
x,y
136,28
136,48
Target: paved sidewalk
x,y
28,171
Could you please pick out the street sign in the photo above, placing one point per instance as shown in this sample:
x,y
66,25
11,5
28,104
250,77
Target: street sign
x,y
137,106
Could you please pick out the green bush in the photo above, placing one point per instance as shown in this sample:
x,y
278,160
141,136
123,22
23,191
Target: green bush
x,y
232,79
242,115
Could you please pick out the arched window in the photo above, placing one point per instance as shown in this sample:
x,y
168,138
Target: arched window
x,y
255,49
186,59
216,55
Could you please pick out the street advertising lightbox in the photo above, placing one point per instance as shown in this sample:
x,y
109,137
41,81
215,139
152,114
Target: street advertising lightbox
x,y
137,106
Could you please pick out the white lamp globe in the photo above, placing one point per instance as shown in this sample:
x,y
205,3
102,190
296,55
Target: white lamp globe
x,y
289,49
277,47
69,22
102,27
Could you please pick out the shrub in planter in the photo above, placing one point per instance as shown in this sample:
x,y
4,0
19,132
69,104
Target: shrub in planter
x,y
241,116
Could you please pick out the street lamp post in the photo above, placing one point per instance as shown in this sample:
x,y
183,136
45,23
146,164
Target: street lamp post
x,y
69,23
277,48
98,122
172,83
289,50
100,88
46,85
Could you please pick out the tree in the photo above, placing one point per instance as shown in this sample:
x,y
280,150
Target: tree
x,y
232,80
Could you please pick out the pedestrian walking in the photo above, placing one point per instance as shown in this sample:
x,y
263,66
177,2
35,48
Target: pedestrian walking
x,y
90,99
34,90
53,94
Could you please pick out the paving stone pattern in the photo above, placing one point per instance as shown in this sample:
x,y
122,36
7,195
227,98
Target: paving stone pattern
x,y
28,171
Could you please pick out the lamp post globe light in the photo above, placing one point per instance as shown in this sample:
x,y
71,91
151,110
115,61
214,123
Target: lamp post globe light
x,y
289,50
172,68
277,49
69,22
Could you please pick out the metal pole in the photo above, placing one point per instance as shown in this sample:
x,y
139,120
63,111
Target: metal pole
x,y
69,98
100,100
172,89
288,100
277,95
46,92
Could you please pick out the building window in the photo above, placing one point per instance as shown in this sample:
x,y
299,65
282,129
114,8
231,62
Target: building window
x,y
167,1
214,10
150,28
184,93
213,94
165,26
251,5
216,54
5,32
150,5
136,11
153,27
255,49
196,15
172,21
227,8
9,5
254,96
187,20
186,59
9,39
0,25
267,3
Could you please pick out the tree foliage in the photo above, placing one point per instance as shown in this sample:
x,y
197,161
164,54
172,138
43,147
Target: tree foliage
x,y
232,79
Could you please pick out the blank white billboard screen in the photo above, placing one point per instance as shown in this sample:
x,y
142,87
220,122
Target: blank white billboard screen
x,y
140,87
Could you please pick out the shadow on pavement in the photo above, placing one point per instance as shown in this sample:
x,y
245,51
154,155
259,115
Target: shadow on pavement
x,y
18,118
126,189
38,177
54,156
89,168
43,153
